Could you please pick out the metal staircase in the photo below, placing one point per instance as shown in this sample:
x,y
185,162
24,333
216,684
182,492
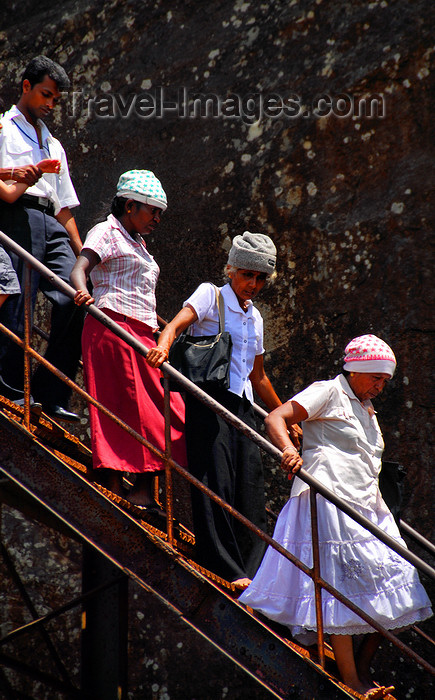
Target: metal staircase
x,y
46,473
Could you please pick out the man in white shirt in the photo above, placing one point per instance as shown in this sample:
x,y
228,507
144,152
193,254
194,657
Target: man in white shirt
x,y
41,222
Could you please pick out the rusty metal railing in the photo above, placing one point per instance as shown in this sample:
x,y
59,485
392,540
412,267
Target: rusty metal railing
x,y
316,487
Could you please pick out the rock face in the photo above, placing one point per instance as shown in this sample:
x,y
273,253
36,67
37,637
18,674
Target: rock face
x,y
318,132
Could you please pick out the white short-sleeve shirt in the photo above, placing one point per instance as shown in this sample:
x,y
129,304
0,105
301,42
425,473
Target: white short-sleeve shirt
x,y
125,279
342,443
246,329
19,146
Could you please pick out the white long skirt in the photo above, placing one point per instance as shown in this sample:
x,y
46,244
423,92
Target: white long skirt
x,y
366,571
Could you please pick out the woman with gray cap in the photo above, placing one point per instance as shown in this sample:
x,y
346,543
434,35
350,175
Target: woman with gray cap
x,y
218,455
124,277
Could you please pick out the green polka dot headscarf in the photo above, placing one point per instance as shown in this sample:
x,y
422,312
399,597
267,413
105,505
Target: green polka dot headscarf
x,y
142,186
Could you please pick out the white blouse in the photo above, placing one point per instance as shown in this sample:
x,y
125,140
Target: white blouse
x,y
342,443
246,331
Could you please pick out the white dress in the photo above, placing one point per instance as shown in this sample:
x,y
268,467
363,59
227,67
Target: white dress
x,y
342,449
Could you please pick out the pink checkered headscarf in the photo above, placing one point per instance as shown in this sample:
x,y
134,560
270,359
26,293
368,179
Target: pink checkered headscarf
x,y
368,354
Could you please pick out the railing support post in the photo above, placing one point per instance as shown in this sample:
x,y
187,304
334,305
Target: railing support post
x,y
27,338
168,455
316,577
104,649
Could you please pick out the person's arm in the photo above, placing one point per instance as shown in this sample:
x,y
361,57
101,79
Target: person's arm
x,y
24,174
10,193
277,424
262,384
83,267
66,219
266,392
156,356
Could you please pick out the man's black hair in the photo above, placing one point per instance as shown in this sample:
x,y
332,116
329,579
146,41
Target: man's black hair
x,y
41,66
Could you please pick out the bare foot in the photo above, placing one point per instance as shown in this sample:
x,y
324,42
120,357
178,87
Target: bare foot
x,y
141,494
141,499
113,481
379,691
241,583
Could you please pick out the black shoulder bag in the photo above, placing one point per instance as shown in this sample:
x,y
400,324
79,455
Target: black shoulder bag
x,y
205,359
391,486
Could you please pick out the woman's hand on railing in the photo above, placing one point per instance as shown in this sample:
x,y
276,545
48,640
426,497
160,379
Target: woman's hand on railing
x,y
83,297
156,356
291,461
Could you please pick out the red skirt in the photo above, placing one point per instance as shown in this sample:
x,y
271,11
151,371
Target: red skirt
x,y
121,380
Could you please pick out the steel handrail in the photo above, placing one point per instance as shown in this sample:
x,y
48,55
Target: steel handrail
x,y
315,485
417,537
214,405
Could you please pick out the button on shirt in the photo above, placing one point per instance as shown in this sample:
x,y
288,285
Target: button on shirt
x,y
246,331
343,443
19,146
125,279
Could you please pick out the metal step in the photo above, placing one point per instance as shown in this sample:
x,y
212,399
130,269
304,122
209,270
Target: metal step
x,y
56,487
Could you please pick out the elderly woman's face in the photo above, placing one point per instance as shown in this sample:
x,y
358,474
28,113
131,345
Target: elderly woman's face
x,y
367,386
246,284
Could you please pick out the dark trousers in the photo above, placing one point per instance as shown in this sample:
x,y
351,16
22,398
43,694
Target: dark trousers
x,y
230,464
42,235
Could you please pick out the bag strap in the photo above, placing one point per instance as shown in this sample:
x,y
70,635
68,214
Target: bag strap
x,y
221,309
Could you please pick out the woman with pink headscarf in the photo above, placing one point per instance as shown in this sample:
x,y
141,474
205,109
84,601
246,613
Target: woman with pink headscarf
x,y
342,448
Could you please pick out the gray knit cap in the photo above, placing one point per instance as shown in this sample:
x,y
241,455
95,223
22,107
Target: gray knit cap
x,y
253,251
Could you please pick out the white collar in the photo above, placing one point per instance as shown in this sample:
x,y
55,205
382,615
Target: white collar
x,y
232,301
115,223
15,115
346,388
